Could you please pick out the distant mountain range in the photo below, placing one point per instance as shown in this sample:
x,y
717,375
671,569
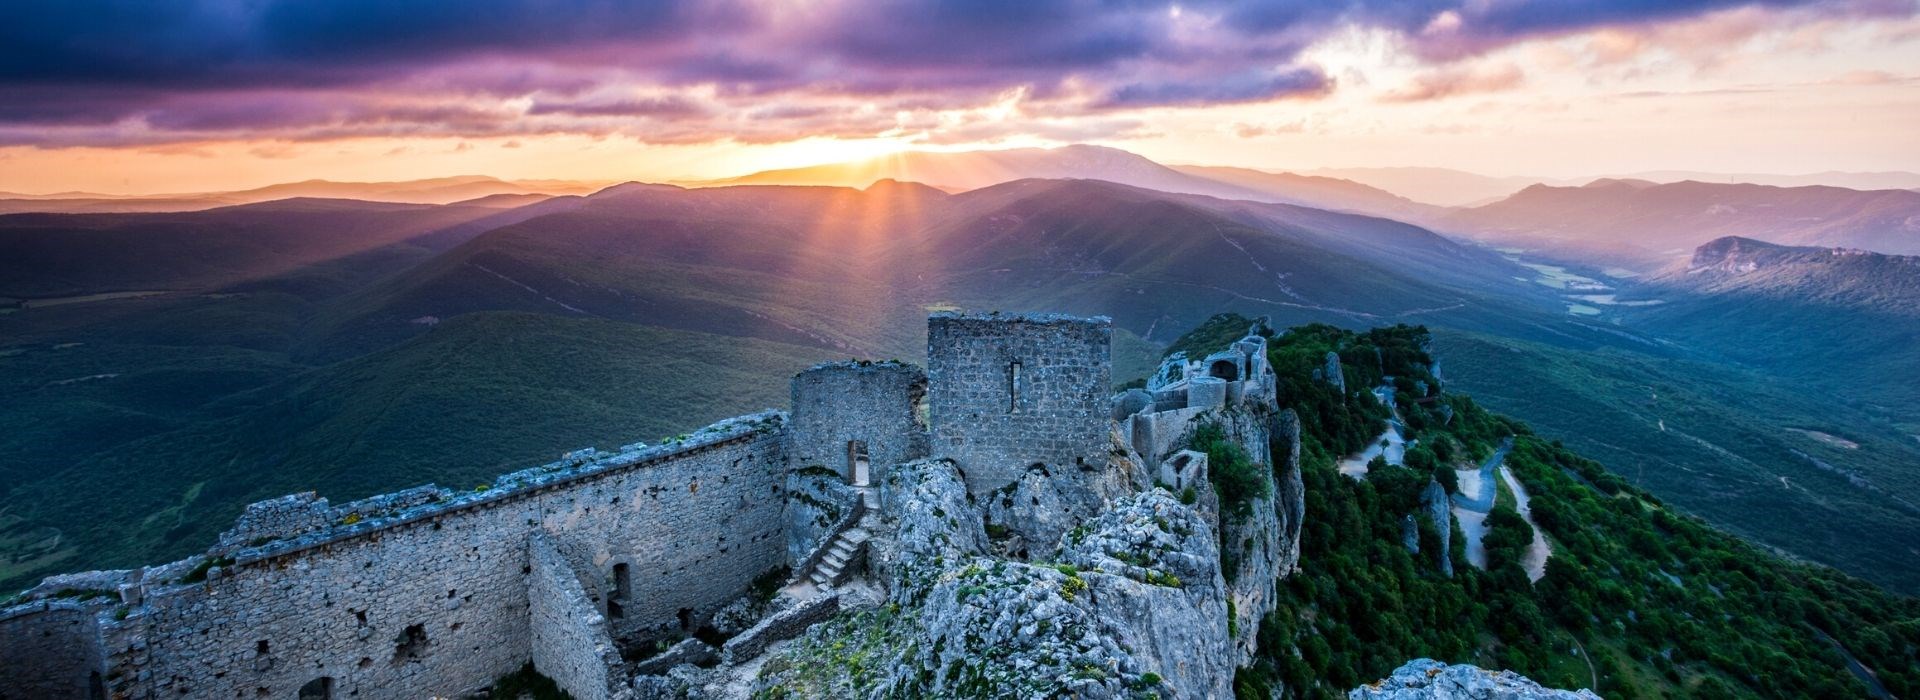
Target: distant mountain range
x,y
445,190
962,171
1645,225
1840,318
203,359
60,255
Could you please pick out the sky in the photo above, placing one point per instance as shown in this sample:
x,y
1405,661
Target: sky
x,y
134,96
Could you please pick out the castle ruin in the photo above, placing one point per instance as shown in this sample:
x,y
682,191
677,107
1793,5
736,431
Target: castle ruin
x,y
431,592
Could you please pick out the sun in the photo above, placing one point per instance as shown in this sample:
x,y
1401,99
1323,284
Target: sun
x,y
818,151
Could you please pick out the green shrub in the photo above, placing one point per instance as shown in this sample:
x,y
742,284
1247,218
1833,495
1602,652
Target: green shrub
x,y
1236,477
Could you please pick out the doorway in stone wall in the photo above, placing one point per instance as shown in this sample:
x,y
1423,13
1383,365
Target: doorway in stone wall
x,y
317,689
858,464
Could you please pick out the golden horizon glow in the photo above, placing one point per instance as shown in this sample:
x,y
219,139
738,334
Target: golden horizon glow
x,y
1729,91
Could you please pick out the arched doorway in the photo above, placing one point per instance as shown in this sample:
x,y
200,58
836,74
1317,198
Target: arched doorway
x,y
1225,369
317,689
859,465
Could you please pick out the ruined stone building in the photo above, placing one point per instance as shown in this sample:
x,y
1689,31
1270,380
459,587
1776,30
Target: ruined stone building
x,y
569,566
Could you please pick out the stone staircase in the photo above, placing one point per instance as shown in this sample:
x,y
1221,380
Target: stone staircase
x,y
831,571
830,566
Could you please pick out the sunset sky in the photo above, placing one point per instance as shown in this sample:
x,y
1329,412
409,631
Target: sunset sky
x,y
197,95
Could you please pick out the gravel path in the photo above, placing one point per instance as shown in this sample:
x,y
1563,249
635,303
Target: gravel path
x,y
1391,444
1540,550
1475,499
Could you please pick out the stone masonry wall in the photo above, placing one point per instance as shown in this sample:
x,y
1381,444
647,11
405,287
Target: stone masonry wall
x,y
569,642
995,420
433,600
876,403
51,650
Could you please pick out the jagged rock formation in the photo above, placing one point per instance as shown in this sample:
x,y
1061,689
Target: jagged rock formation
x,y
1132,604
1440,511
1152,562
1426,679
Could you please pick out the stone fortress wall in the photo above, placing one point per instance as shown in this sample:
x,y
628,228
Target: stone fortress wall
x,y
1009,391
429,592
426,593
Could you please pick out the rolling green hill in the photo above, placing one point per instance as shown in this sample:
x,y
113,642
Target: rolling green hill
x,y
1768,460
1845,321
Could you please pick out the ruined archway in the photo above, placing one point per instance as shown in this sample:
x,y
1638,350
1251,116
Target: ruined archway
x,y
1227,370
317,689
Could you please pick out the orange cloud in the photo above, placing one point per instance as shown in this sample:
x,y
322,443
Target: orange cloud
x,y
1451,82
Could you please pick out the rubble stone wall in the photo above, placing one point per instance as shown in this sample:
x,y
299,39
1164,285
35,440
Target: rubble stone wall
x,y
433,598
569,643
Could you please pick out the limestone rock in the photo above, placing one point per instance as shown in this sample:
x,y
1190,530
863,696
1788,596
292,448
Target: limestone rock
x,y
1424,679
934,523
1439,508
1008,629
816,500
1332,372
1151,565
1031,514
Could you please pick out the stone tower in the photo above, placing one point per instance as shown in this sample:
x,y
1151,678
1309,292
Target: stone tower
x,y
1010,391
858,418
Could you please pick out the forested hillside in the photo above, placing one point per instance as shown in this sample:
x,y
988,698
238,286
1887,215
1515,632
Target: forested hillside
x,y
1638,599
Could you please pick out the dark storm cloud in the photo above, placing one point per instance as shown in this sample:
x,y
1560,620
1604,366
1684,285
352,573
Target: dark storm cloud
x,y
186,69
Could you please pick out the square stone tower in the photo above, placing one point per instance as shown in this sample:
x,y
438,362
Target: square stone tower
x,y
1009,391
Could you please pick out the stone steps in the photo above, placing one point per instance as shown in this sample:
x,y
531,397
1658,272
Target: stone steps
x,y
830,568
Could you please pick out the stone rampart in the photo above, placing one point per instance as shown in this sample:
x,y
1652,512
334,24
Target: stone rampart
x,y
433,599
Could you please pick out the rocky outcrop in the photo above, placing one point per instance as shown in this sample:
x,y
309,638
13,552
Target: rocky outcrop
x,y
933,523
817,499
1133,605
1440,511
1150,562
1426,679
1260,544
1008,629
1029,515
1290,492
1332,372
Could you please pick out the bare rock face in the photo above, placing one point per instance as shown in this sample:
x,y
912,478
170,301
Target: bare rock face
x,y
1030,515
1261,544
1150,562
1132,605
935,524
1439,509
997,628
1332,372
1426,679
816,500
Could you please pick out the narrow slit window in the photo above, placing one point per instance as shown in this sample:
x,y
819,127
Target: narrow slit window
x,y
1013,384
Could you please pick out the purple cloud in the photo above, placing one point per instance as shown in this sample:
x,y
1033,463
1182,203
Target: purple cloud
x,y
120,71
